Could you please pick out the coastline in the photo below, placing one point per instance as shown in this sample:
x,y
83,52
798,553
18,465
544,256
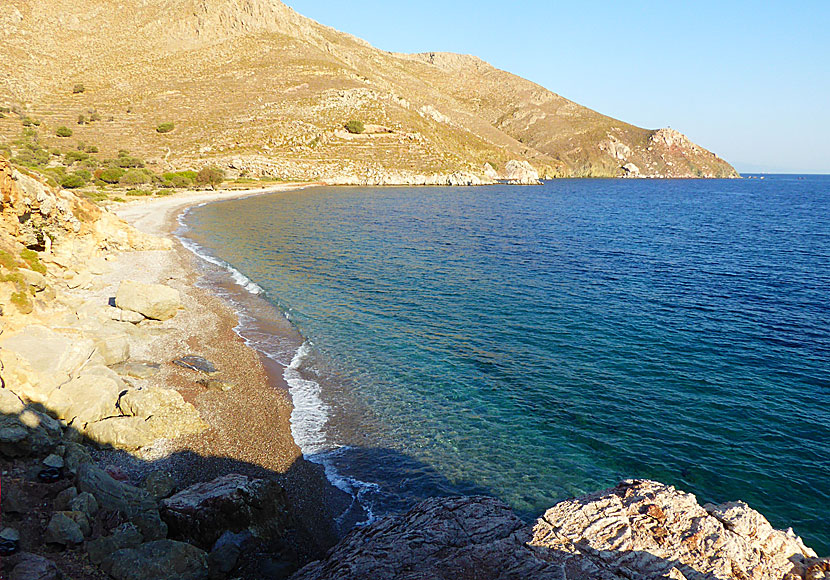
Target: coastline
x,y
258,407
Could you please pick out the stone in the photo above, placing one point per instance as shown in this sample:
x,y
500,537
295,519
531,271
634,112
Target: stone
x,y
61,503
225,553
124,536
196,363
75,456
84,503
33,567
13,500
137,369
53,460
158,560
151,300
63,530
79,518
23,430
159,484
135,504
214,385
490,172
34,279
10,535
521,173
85,400
631,170
202,512
112,344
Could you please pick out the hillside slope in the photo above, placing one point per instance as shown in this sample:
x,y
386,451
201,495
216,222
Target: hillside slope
x,y
256,87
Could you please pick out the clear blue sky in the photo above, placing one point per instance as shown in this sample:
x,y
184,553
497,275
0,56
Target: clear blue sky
x,y
747,80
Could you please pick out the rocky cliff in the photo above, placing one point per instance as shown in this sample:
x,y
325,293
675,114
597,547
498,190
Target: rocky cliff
x,y
637,530
254,86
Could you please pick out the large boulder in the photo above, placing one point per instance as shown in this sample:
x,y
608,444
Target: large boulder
x,y
639,529
124,536
85,400
63,530
154,301
521,173
135,504
33,567
234,502
159,560
23,430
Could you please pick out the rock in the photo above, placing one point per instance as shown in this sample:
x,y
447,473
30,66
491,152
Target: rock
x,y
79,518
53,460
136,504
159,560
631,170
34,279
112,344
24,431
13,500
63,530
159,484
120,315
124,536
196,363
521,173
85,400
61,503
152,300
214,385
34,567
490,172
75,456
204,511
84,503
225,553
639,529
10,535
137,369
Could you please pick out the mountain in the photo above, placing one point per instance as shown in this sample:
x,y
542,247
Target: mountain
x,y
258,88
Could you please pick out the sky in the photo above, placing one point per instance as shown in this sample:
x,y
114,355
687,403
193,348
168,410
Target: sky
x,y
748,80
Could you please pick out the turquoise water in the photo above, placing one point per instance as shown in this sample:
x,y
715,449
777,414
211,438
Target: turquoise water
x,y
543,342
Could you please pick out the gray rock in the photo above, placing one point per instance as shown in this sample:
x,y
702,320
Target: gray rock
x,y
225,553
13,500
84,503
24,431
75,455
152,300
196,363
34,567
521,173
137,369
61,503
204,511
124,536
136,504
85,400
159,560
10,535
53,460
159,484
63,530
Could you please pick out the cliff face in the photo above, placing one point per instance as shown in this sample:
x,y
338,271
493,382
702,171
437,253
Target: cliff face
x,y
252,84
639,529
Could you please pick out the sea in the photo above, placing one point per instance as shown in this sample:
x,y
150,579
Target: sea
x,y
539,343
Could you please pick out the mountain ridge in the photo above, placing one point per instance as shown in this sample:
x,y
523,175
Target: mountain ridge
x,y
254,86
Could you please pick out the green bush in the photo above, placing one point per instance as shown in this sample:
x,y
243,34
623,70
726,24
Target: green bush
x,y
81,120
211,176
33,260
139,193
94,116
72,181
27,122
21,300
134,177
191,175
63,131
8,261
92,149
111,174
165,128
129,162
121,199
71,157
78,88
355,127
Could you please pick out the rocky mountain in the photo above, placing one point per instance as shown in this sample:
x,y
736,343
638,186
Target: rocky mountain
x,y
261,90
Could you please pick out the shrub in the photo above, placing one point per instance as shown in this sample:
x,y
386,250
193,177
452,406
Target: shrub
x,y
92,149
180,181
128,162
27,122
94,116
355,127
8,261
121,199
21,300
33,260
78,88
81,120
72,181
71,157
63,131
211,176
139,192
134,177
165,128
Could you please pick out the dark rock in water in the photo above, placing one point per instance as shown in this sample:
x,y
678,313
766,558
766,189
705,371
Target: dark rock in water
x,y
50,475
202,512
33,567
196,363
136,504
159,560
137,369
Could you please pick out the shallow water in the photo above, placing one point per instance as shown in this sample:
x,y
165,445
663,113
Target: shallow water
x,y
543,342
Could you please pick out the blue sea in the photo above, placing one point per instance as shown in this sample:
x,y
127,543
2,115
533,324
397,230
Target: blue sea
x,y
537,343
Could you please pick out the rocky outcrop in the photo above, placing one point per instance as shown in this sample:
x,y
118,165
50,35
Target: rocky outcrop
x,y
154,301
521,173
203,512
158,560
639,529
